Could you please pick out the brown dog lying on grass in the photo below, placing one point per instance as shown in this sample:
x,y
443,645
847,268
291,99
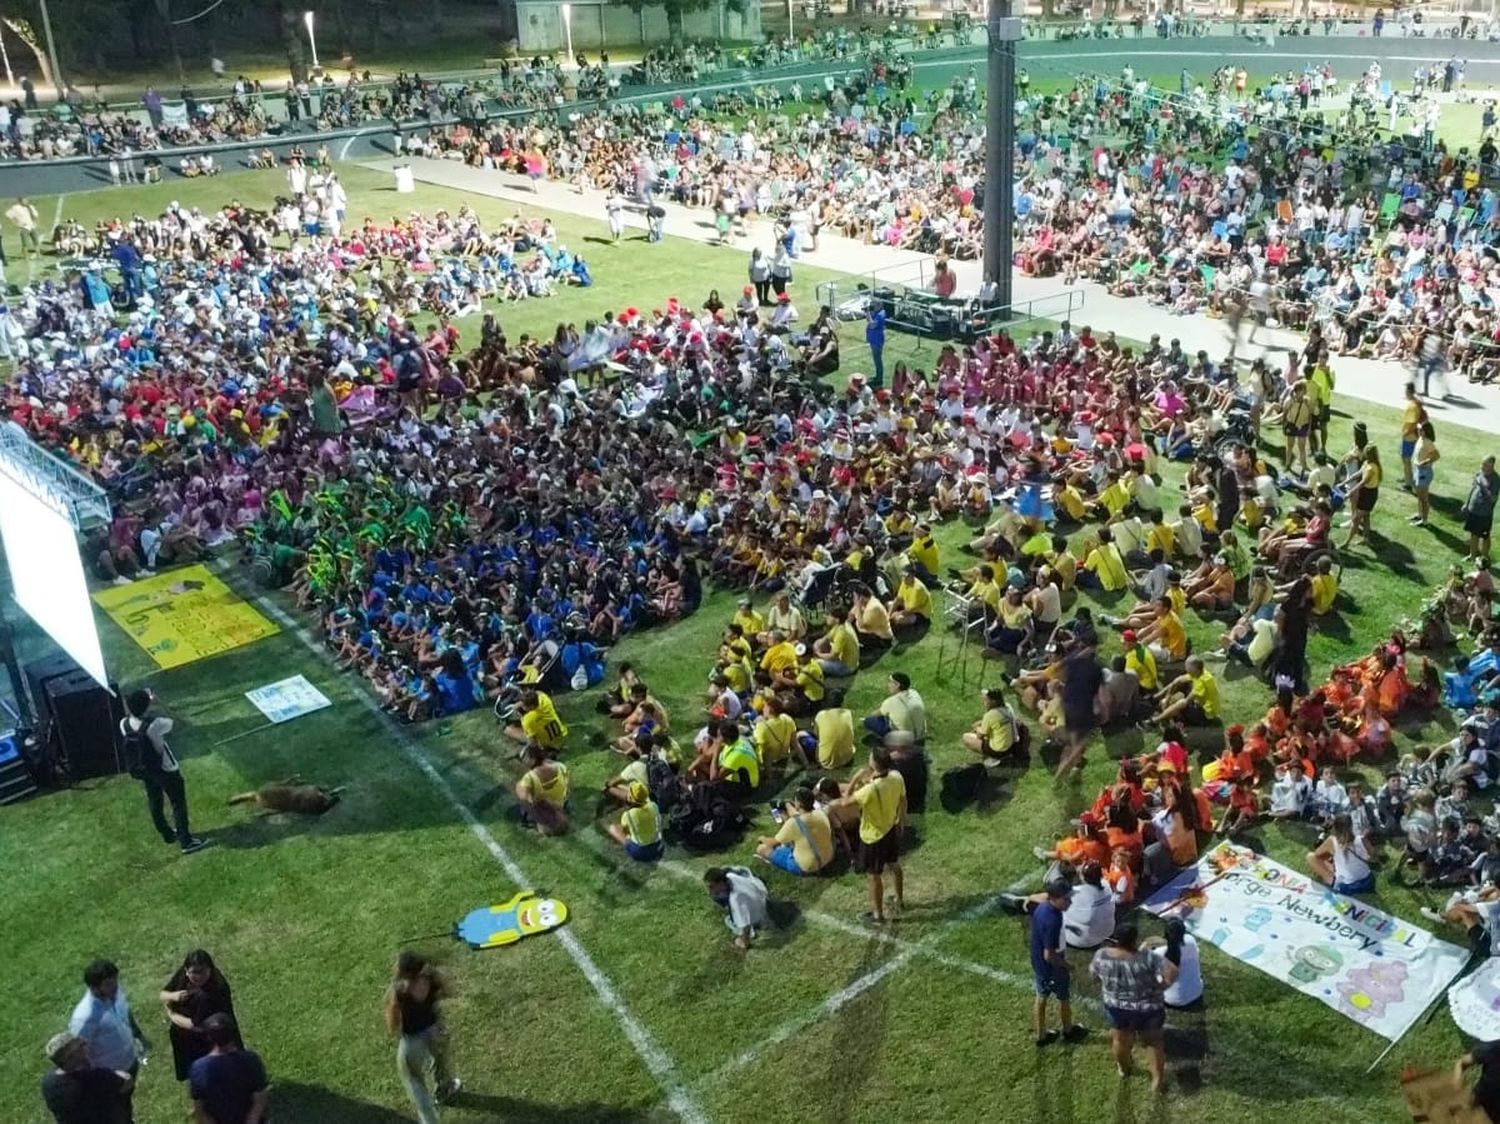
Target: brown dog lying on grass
x,y
290,795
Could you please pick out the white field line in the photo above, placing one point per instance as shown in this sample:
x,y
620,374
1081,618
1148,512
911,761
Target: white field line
x,y
679,1098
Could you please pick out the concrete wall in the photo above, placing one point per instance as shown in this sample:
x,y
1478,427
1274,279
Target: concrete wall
x,y
596,25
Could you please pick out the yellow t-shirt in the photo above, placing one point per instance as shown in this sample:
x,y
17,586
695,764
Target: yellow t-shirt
x,y
642,824
987,592
542,725
924,552
835,729
1140,660
1206,691
1178,596
914,597
810,680
880,806
1325,589
1070,500
844,644
1161,537
811,837
1104,562
740,755
1173,636
751,622
773,738
1410,418
779,657
876,620
1115,497
997,730
552,792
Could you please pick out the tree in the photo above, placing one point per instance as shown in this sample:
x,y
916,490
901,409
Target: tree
x,y
164,10
676,9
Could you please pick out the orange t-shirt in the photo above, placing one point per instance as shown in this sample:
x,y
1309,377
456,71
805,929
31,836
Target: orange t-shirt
x,y
1079,851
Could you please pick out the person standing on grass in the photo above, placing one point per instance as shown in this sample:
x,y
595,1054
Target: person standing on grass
x,y
1082,682
1425,455
196,992
23,214
882,816
1049,965
104,1021
156,767
1133,985
79,1092
411,1013
875,337
1479,508
228,1084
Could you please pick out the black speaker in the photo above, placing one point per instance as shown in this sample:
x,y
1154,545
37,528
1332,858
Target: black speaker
x,y
38,673
83,725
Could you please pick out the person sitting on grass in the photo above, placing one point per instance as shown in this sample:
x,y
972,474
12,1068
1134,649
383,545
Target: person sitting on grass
x,y
902,710
1213,591
735,768
775,735
641,723
913,610
540,724
617,701
1164,635
1193,697
997,737
871,621
1342,860
543,792
804,842
830,743
801,685
1244,807
639,829
838,649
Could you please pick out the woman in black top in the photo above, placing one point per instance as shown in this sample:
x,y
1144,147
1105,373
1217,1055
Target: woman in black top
x,y
411,1011
196,990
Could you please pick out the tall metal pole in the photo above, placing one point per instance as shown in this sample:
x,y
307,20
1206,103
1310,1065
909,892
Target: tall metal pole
x,y
1002,31
57,76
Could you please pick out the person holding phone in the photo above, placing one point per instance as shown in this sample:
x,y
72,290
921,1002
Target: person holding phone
x,y
151,761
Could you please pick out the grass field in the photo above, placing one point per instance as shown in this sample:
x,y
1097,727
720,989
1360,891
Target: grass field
x,y
824,1021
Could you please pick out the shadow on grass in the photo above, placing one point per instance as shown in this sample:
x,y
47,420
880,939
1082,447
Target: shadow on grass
x,y
502,1108
292,1100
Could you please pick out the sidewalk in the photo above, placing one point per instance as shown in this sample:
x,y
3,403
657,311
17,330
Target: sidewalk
x,y
1371,380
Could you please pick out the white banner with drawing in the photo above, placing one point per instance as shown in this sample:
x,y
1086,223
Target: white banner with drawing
x,y
287,699
1367,965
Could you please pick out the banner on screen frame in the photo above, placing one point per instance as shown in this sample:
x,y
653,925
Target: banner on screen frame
x,y
1367,965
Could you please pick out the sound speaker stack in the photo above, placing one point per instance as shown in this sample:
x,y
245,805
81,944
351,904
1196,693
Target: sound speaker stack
x,y
76,718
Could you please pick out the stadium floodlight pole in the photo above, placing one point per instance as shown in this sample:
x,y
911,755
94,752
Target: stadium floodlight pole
x,y
1002,31
567,18
312,40
57,77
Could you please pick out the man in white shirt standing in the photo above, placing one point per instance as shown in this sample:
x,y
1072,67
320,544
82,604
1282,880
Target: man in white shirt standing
x,y
151,761
103,1019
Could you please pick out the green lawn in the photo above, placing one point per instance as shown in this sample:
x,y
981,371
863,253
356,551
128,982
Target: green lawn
x,y
825,1022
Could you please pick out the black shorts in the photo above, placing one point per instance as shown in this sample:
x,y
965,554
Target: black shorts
x,y
1477,524
1193,714
1080,722
873,858
1366,499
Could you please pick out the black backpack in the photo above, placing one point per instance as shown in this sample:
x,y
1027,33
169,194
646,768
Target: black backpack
x,y
663,784
141,758
705,821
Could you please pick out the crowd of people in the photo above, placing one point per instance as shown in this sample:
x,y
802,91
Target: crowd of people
x,y
475,518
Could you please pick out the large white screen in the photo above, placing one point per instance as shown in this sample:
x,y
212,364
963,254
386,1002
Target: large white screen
x,y
47,575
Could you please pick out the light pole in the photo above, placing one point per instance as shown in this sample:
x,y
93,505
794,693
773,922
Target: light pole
x,y
10,78
567,15
791,32
312,40
57,78
1002,31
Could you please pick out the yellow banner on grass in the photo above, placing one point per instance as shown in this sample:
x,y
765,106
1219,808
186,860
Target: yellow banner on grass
x,y
184,616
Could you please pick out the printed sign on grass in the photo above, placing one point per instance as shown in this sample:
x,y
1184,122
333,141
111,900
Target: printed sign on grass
x,y
1368,965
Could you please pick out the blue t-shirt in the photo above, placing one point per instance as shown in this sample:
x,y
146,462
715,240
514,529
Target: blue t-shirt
x,y
1046,934
226,1084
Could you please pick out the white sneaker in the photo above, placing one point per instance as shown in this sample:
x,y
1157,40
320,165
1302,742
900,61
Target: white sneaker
x,y
121,579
